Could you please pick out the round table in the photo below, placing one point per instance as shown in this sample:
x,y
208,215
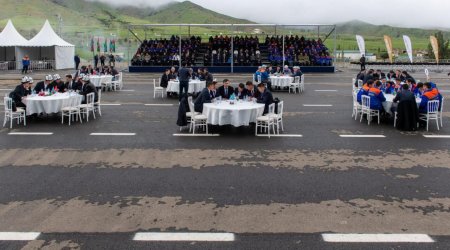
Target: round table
x,y
241,113
98,80
387,105
51,104
281,81
195,86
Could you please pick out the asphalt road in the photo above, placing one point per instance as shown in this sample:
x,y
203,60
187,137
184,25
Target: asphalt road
x,y
96,192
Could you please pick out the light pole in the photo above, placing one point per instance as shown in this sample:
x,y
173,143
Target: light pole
x,y
60,20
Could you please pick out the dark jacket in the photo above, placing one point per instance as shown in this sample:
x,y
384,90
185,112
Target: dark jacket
x,y
73,85
404,95
184,75
208,77
265,98
87,89
204,97
165,80
241,95
255,93
182,109
18,93
40,86
221,91
407,115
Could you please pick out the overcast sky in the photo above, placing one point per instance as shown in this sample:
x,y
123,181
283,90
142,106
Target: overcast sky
x,y
404,13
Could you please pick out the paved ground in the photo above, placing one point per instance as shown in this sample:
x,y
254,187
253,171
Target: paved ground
x,y
96,192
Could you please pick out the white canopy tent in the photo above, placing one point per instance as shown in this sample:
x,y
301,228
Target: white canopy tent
x,y
48,46
10,39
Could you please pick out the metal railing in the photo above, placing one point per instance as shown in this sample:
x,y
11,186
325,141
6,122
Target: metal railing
x,y
34,65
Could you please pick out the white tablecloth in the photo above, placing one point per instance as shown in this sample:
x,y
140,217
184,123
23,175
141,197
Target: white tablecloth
x,y
281,81
241,113
51,104
387,105
97,80
195,86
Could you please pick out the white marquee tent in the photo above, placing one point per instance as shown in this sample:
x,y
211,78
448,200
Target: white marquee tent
x,y
48,46
10,39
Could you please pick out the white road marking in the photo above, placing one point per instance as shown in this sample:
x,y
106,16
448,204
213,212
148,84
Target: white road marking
x,y
110,104
437,136
214,237
282,135
377,238
317,105
30,133
113,134
18,236
325,90
196,135
362,136
162,105
126,90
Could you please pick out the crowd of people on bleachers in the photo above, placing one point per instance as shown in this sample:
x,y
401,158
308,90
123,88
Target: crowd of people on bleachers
x,y
298,51
245,51
166,52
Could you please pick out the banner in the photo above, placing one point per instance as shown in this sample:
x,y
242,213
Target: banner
x,y
361,44
388,42
408,46
435,46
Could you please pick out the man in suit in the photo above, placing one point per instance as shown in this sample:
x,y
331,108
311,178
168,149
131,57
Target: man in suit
x,y
77,62
206,96
173,74
88,88
297,72
251,90
57,83
184,74
71,84
404,95
44,85
20,92
241,91
265,97
225,91
165,79
207,76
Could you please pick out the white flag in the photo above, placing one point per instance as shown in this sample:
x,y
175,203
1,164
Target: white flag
x,y
408,46
361,44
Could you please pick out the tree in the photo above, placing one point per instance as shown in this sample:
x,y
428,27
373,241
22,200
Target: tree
x,y
444,51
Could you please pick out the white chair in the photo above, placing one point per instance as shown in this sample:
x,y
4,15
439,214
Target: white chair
x,y
253,80
302,83
295,85
360,84
197,120
190,113
278,118
118,82
10,115
365,110
107,82
259,79
89,106
266,122
71,107
157,90
356,106
98,105
432,113
353,83
441,111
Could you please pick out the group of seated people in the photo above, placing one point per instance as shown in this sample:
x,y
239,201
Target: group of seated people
x,y
165,52
202,74
400,83
243,92
53,84
262,75
245,51
105,70
298,51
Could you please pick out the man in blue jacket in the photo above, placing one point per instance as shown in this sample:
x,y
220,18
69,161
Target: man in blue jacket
x,y
376,97
364,91
265,97
429,94
206,96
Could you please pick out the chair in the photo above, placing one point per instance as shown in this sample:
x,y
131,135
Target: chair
x,y
71,107
10,115
295,85
360,84
365,110
158,90
432,113
107,82
118,82
259,79
97,105
278,118
192,112
89,106
253,80
197,120
266,121
441,111
302,83
356,106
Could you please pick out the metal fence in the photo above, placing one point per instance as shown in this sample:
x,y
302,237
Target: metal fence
x,y
34,65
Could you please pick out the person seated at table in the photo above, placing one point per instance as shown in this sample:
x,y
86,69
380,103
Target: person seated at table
x,y
297,72
71,84
389,89
429,94
29,90
165,78
44,85
376,96
240,92
364,91
404,95
251,90
276,70
198,75
88,88
265,97
287,71
58,84
20,92
398,84
173,74
418,91
208,77
225,91
411,83
206,96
